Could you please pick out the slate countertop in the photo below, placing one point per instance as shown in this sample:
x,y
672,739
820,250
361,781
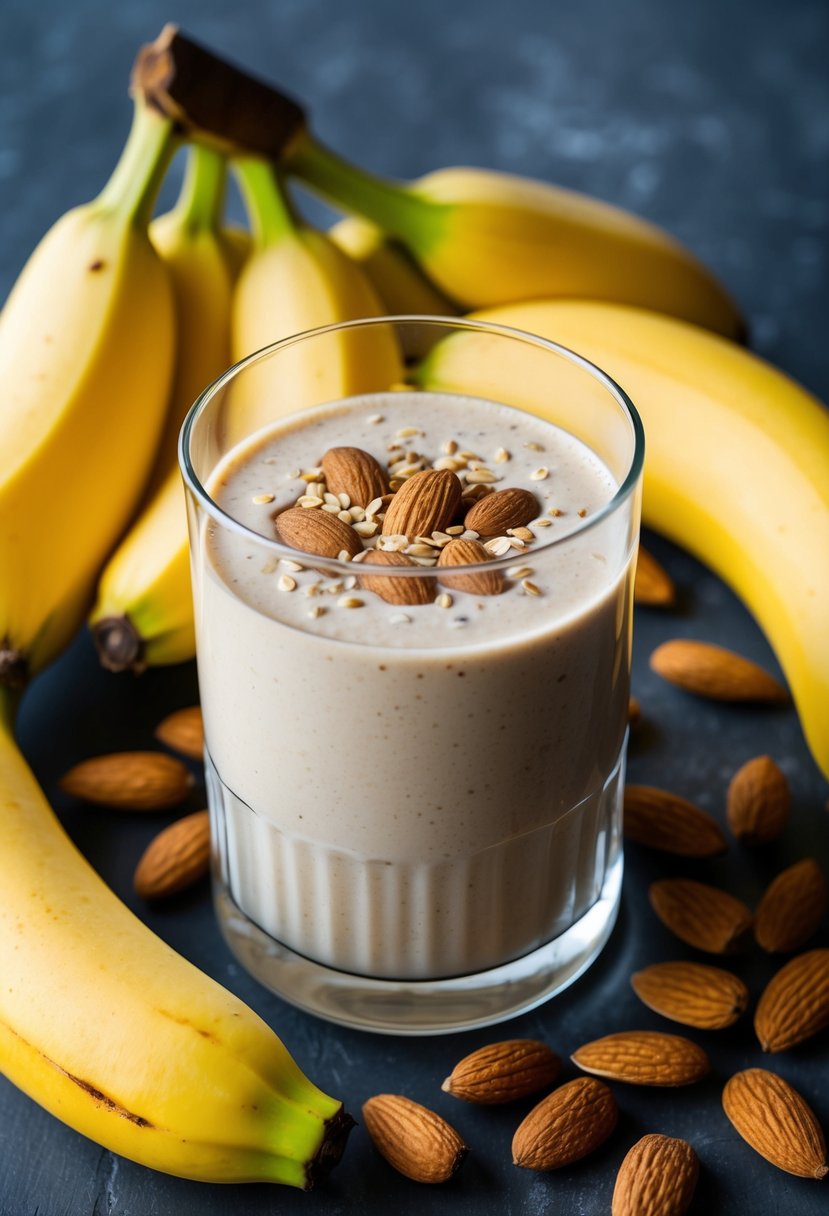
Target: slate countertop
x,y
712,120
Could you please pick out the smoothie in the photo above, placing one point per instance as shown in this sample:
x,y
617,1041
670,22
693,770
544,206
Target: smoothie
x,y
430,789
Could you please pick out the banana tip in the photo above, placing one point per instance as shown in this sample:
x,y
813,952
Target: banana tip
x,y
119,644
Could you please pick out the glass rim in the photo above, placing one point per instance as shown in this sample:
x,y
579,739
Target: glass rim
x,y
278,548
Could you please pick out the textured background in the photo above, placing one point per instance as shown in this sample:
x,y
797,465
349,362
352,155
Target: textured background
x,y
713,120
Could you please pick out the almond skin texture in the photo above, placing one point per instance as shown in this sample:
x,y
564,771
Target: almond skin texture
x,y
427,502
183,731
496,513
661,820
413,1139
469,553
568,1124
658,1177
692,993
356,473
130,781
317,532
703,916
644,1057
395,590
711,671
792,908
758,801
503,1072
777,1123
795,1003
176,859
652,585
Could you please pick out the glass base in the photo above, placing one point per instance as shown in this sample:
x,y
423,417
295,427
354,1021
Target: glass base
x,y
419,1007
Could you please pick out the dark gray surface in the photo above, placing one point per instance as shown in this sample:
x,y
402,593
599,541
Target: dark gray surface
x,y
712,119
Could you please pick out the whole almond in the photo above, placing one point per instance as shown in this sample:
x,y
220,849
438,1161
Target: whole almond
x,y
354,472
317,532
758,801
692,993
644,1057
776,1121
712,671
176,859
394,590
496,513
661,820
792,907
183,731
503,1072
469,553
427,502
130,781
413,1139
652,585
703,916
658,1177
565,1126
795,1003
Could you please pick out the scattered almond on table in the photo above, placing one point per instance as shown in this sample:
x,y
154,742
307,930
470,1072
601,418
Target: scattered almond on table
x,y
776,1121
571,1122
644,1057
183,731
413,1139
758,801
503,1072
658,1177
130,781
175,859
715,672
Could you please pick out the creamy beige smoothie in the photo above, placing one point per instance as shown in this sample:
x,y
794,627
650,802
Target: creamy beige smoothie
x,y
425,790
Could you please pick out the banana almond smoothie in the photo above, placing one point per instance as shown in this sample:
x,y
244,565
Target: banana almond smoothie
x,y
417,777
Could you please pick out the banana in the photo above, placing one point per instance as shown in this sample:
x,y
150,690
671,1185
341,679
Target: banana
x,y
86,348
142,614
111,1031
297,279
487,238
736,468
393,273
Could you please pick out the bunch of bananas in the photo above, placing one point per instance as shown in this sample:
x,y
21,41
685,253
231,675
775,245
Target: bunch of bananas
x,y
116,325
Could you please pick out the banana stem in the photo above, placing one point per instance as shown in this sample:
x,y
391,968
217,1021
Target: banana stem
x,y
136,180
394,208
270,211
199,205
9,699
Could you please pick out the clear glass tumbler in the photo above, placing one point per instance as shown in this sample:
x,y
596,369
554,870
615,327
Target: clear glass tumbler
x,y
415,780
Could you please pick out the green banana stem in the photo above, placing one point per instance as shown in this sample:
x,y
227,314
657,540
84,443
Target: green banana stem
x,y
395,208
131,190
270,211
200,203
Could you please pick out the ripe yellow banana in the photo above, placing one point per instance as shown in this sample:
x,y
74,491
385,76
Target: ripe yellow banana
x,y
488,238
736,466
86,348
297,279
394,275
143,613
108,1028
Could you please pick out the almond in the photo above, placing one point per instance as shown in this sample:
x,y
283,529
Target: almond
x,y
504,509
395,590
758,801
503,1072
565,1126
652,585
427,502
692,993
644,1057
795,1003
658,1177
661,820
712,671
130,781
792,908
354,472
702,916
634,712
777,1123
468,553
183,731
176,859
317,532
412,1138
